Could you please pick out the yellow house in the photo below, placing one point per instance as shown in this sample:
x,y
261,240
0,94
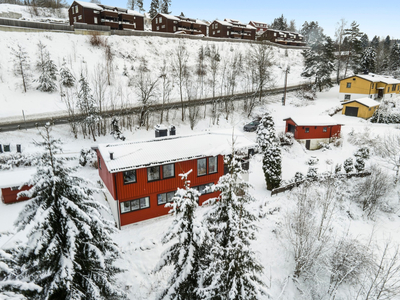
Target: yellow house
x,y
368,85
362,108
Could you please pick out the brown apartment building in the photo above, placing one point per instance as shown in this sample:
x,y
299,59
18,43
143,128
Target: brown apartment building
x,y
98,14
283,37
176,24
232,29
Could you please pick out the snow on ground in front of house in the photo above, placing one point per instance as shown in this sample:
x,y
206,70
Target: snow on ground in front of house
x,y
27,13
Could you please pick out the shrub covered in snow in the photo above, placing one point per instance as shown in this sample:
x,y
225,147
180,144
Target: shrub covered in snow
x,y
348,165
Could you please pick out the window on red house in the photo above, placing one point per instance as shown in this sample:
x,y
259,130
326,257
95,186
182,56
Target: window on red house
x,y
325,129
201,166
307,129
153,173
212,165
168,171
129,176
136,204
165,197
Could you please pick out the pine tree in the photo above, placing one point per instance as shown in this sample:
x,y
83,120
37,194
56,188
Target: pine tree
x,y
280,23
364,41
375,42
233,271
10,286
269,145
66,78
319,60
187,253
394,64
348,165
21,65
70,252
368,60
154,8
354,37
47,78
164,6
87,106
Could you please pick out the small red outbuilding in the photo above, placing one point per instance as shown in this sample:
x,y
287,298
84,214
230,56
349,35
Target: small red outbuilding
x,y
313,130
11,183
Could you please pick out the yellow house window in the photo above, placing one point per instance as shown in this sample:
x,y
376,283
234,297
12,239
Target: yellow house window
x,y
388,89
348,85
372,86
393,87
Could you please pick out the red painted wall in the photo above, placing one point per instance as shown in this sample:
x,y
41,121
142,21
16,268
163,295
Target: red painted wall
x,y
106,176
10,196
315,132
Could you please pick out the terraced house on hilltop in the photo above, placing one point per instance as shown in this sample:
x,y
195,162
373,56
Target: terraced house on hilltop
x,y
368,85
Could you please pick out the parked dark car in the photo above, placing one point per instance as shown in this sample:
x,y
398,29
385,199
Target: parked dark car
x,y
252,126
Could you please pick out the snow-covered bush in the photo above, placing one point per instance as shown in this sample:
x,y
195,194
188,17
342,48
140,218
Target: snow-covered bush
x,y
88,156
312,174
359,165
348,165
286,139
307,93
312,161
9,161
363,138
362,152
388,112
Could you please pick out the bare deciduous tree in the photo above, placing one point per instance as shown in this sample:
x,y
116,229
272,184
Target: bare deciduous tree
x,y
261,57
180,57
21,65
389,150
166,87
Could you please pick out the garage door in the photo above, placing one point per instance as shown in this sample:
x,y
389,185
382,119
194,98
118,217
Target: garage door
x,y
351,111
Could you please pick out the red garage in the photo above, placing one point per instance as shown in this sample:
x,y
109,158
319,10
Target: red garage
x,y
313,130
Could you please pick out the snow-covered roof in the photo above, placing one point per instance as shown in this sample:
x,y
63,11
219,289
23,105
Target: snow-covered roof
x,y
223,22
89,5
258,23
135,13
250,27
364,101
140,154
201,22
170,17
378,78
313,120
15,177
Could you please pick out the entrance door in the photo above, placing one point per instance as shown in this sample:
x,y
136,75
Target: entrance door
x,y
351,111
380,93
308,142
291,128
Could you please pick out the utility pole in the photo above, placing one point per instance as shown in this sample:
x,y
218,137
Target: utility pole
x,y
284,93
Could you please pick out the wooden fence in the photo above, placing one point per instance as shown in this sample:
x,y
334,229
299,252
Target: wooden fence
x,y
295,184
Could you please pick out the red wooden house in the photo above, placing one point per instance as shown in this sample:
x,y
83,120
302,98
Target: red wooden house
x,y
313,131
283,37
232,29
98,14
173,24
12,182
260,26
141,177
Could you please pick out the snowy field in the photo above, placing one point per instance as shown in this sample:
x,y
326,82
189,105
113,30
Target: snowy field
x,y
141,243
27,14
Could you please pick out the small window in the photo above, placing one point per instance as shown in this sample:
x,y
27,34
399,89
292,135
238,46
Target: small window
x,y
227,32
212,165
204,188
369,109
348,85
134,25
213,32
125,207
216,25
393,87
325,129
212,26
162,26
153,173
174,28
158,27
156,20
274,33
95,20
388,89
76,9
201,166
129,176
74,19
73,9
136,204
218,31
160,19
165,197
307,129
372,85
168,171
80,17
15,188
347,97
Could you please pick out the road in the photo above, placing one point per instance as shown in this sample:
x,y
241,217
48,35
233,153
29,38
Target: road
x,y
62,117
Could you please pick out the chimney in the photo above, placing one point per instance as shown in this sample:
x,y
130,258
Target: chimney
x,y
111,155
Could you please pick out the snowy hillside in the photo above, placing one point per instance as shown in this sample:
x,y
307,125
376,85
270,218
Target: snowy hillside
x,y
27,13
129,54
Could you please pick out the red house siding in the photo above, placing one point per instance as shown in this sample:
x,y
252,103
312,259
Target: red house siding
x,y
8,195
315,132
142,188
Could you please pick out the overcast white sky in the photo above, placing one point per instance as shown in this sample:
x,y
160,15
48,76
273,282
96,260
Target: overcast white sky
x,y
374,19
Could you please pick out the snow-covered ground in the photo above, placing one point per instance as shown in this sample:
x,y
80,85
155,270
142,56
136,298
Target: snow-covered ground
x,y
27,13
141,243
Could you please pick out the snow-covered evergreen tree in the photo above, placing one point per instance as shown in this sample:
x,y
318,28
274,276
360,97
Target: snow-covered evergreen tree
x,y
186,253
394,64
47,78
154,8
359,165
270,148
164,6
368,60
348,165
319,61
66,78
70,252
22,65
233,271
353,35
88,106
12,288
